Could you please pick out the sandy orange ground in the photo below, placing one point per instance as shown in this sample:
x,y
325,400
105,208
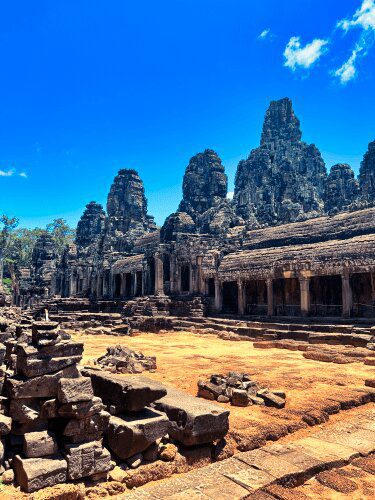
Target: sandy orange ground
x,y
184,357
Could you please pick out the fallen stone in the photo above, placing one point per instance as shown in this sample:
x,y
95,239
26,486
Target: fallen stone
x,y
87,429
131,434
370,382
36,367
82,409
74,390
223,399
5,425
240,398
84,460
168,452
271,399
39,444
193,420
48,409
8,476
44,386
135,461
125,392
24,410
32,474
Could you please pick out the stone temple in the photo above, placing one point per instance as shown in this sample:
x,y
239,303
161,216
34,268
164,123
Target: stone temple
x,y
295,240
264,309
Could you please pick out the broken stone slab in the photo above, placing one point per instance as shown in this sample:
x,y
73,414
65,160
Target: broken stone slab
x,y
60,350
74,390
39,444
32,474
125,392
82,409
48,409
37,367
24,409
87,429
240,398
44,386
84,460
271,399
193,420
5,425
131,434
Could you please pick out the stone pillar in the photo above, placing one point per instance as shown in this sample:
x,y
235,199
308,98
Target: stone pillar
x,y
172,277
218,296
200,281
304,284
134,284
347,299
72,283
159,288
372,278
241,297
270,300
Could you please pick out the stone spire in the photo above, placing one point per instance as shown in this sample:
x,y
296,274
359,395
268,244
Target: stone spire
x,y
127,203
283,180
367,175
341,188
280,123
91,225
205,184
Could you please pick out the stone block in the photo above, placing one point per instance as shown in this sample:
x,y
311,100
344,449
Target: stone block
x,y
44,386
193,420
24,409
5,425
86,459
38,425
271,399
87,429
37,367
39,444
125,392
74,390
82,409
32,474
45,333
240,398
48,409
131,434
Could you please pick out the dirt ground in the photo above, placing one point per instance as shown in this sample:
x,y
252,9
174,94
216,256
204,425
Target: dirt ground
x,y
312,387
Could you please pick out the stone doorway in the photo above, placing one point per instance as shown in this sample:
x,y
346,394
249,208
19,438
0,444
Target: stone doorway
x,y
256,297
230,297
185,278
363,293
287,297
326,296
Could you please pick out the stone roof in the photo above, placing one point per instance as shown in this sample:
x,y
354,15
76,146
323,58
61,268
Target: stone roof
x,y
128,264
329,257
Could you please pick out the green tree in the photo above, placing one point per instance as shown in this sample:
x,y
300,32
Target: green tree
x,y
8,225
61,232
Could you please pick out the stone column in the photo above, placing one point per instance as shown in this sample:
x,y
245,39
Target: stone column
x,y
159,288
134,284
200,281
304,284
218,295
347,299
270,299
72,288
172,278
241,297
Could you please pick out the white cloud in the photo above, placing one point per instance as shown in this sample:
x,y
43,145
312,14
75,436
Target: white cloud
x,y
7,173
230,195
265,33
23,174
297,55
364,17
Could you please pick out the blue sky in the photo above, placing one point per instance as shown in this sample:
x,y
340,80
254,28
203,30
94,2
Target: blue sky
x,y
90,87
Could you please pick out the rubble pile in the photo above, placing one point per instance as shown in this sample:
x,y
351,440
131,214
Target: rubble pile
x,y
57,424
121,359
239,389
